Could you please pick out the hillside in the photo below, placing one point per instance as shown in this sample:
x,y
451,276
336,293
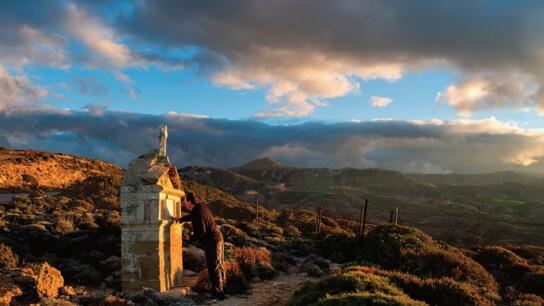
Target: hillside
x,y
71,240
48,170
490,208
496,178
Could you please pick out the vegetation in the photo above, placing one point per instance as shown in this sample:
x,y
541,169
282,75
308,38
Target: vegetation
x,y
352,288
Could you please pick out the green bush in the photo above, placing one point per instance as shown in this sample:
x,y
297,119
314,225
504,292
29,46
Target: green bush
x,y
255,262
410,250
352,288
511,270
434,291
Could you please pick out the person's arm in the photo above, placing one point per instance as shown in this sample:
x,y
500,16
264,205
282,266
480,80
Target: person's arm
x,y
187,218
199,226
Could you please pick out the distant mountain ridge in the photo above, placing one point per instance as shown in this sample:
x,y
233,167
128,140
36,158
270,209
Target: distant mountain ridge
x,y
448,205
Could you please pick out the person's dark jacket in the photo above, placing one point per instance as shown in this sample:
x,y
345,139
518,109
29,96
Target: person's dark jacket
x,y
204,227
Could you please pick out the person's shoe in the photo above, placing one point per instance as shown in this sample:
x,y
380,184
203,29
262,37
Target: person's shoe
x,y
219,295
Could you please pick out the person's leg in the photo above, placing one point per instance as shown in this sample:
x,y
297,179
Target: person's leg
x,y
210,251
220,266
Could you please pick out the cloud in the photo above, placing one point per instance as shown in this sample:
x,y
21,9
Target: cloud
x,y
96,36
18,93
95,110
90,87
26,36
465,145
328,47
377,101
492,91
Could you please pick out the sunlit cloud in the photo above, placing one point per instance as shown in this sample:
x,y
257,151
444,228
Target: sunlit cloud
x,y
378,101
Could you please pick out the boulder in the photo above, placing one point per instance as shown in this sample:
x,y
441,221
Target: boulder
x,y
112,300
194,258
48,280
8,290
311,269
68,290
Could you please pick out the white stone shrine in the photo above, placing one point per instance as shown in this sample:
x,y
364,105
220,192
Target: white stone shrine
x,y
151,243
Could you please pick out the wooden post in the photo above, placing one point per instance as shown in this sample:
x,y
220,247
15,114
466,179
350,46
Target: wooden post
x,y
364,217
319,216
361,221
391,216
396,216
257,209
317,220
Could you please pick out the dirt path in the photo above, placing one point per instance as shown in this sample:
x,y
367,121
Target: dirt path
x,y
272,292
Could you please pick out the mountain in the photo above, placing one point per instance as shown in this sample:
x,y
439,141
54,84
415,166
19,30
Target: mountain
x,y
51,171
462,209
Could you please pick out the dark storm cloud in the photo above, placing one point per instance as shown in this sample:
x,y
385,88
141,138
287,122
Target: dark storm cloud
x,y
307,50
478,145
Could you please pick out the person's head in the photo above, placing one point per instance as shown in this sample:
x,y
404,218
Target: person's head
x,y
190,200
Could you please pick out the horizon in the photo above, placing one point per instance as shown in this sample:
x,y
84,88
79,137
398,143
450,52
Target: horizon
x,y
79,77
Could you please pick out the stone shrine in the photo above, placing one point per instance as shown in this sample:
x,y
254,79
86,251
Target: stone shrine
x,y
151,243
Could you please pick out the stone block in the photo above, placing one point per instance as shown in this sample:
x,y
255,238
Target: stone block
x,y
127,189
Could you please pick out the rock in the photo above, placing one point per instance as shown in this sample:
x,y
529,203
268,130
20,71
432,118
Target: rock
x,y
109,280
48,280
96,256
112,263
8,290
112,300
321,262
193,258
255,279
311,268
55,302
68,290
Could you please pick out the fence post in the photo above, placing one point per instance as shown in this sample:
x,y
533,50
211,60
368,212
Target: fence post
x,y
317,220
320,218
364,217
391,212
319,215
361,221
257,209
396,216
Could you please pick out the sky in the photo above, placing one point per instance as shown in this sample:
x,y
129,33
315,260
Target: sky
x,y
415,86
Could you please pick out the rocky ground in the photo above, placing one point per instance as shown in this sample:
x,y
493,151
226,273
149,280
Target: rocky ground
x,y
64,249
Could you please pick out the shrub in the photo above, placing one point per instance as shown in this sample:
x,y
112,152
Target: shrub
x,y
340,248
63,225
281,261
533,254
255,262
511,270
234,235
529,300
352,288
410,250
8,259
435,291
